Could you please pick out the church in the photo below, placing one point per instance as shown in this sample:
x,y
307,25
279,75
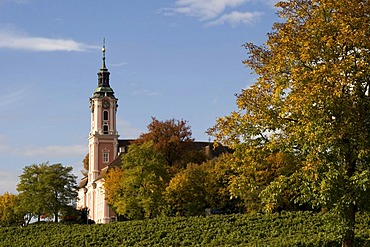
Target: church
x,y
103,148
106,150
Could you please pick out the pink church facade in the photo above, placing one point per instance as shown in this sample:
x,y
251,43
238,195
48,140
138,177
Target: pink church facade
x,y
103,149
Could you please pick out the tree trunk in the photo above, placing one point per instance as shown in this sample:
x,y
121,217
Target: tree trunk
x,y
56,216
350,211
349,235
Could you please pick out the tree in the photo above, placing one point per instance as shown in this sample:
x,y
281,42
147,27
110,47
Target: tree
x,y
311,100
220,174
47,189
202,186
186,193
72,215
136,191
253,170
10,212
114,189
85,162
31,190
172,139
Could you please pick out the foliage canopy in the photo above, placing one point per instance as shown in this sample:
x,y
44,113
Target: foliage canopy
x,y
172,139
136,189
10,212
311,100
46,189
162,174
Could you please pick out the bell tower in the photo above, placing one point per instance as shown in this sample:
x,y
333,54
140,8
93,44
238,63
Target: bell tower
x,y
103,148
103,136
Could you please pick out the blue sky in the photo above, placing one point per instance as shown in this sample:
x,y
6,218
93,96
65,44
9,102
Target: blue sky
x,y
168,59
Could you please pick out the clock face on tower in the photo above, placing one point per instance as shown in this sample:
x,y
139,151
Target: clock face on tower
x,y
106,104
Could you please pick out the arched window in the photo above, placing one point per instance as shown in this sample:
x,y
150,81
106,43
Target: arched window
x,y
105,115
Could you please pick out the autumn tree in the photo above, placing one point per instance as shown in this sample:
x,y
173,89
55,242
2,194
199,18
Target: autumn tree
x,y
254,168
172,139
311,100
46,189
85,163
115,189
136,192
11,213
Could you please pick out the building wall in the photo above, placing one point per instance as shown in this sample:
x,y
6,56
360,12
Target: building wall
x,y
103,147
92,195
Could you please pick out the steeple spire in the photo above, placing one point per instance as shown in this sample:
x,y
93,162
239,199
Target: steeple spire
x,y
103,88
103,50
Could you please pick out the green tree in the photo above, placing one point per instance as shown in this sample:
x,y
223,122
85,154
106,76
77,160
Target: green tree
x,y
220,174
31,190
202,186
311,100
46,189
10,211
186,193
137,191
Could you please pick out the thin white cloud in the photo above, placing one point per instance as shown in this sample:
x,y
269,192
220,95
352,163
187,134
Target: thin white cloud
x,y
202,9
235,18
118,64
15,1
146,92
16,41
56,151
126,130
218,12
11,96
4,148
270,3
8,182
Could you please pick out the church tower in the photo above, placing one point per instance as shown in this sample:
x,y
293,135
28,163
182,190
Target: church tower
x,y
103,148
103,136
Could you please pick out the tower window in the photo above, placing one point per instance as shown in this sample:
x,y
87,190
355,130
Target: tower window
x,y
105,115
105,129
105,157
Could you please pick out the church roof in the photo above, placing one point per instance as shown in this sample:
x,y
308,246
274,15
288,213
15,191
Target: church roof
x,y
83,182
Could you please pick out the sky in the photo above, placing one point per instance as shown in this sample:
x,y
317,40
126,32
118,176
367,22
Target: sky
x,y
168,59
